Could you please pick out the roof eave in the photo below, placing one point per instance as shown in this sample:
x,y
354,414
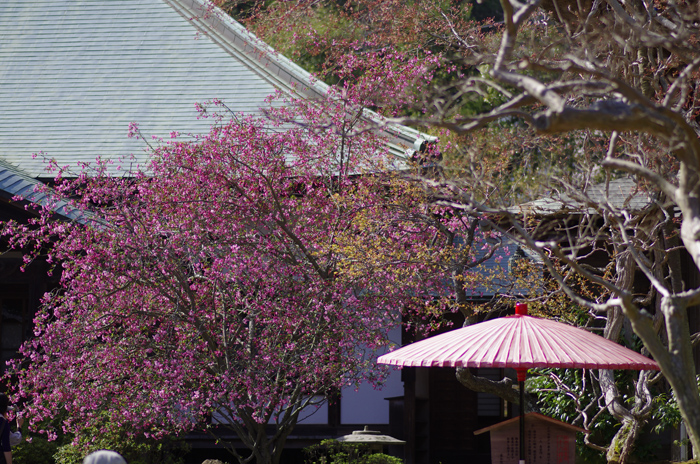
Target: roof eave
x,y
284,74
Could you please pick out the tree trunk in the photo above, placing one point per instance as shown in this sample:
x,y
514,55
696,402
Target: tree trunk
x,y
623,442
676,360
689,404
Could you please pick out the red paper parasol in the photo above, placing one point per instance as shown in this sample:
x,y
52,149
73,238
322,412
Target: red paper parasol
x,y
520,342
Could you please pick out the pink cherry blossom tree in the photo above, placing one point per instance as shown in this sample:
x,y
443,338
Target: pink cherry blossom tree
x,y
230,284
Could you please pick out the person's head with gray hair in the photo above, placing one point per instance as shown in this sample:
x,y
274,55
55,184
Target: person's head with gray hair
x,y
104,457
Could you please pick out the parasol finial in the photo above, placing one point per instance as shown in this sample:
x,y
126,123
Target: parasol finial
x,y
521,309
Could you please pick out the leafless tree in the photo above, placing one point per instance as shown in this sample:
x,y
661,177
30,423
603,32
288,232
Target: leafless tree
x,y
618,80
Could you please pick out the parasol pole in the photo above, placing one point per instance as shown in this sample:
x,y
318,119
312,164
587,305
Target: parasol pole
x,y
521,382
521,309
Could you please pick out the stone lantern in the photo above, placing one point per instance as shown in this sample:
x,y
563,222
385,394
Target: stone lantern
x,y
373,438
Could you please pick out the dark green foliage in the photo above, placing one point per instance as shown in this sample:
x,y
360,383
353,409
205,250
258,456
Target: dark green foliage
x,y
38,451
666,413
380,458
335,452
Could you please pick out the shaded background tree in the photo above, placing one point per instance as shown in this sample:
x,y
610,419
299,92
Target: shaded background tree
x,y
626,72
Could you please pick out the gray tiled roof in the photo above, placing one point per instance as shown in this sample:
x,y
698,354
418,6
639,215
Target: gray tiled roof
x,y
75,73
616,194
